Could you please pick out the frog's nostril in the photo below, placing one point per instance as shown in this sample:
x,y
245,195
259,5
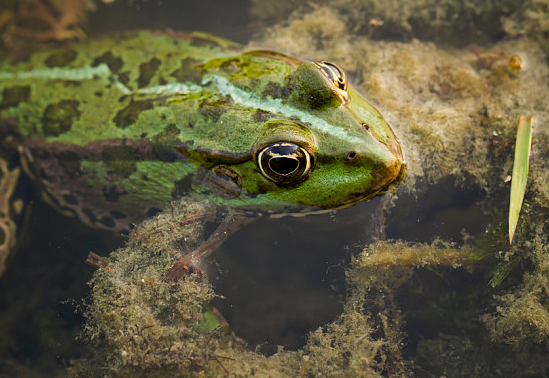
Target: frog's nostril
x,y
366,127
350,156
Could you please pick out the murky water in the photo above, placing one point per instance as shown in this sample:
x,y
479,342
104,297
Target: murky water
x,y
280,278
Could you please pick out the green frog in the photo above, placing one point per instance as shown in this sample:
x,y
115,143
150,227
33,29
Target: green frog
x,y
112,130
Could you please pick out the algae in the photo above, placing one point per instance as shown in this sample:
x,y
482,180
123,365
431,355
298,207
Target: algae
x,y
140,323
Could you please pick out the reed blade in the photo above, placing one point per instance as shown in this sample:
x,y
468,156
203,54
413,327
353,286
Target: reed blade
x,y
520,172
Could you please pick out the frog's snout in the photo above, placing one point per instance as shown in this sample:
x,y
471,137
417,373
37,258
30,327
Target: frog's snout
x,y
387,169
383,167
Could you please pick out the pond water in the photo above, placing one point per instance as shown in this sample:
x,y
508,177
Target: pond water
x,y
282,278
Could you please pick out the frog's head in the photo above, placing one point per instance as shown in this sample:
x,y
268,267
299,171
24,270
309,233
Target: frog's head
x,y
322,144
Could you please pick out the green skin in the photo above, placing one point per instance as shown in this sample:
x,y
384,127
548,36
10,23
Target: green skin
x,y
113,129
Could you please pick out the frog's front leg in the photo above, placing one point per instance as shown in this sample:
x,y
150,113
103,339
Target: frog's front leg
x,y
8,227
189,263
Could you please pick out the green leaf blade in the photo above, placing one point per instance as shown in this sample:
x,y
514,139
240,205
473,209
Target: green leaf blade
x,y
520,172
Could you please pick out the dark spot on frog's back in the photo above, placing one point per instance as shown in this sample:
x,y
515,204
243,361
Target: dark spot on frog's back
x,y
58,118
111,193
127,116
182,187
61,58
188,71
72,83
115,63
275,90
124,77
162,144
12,96
213,110
262,116
147,71
120,160
232,66
70,161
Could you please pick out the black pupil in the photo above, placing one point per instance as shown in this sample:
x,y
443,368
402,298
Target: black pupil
x,y
283,165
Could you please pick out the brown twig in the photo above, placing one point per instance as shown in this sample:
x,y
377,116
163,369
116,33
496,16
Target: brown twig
x,y
97,261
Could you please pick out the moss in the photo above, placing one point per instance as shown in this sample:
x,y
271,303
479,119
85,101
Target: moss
x,y
139,323
521,315
398,253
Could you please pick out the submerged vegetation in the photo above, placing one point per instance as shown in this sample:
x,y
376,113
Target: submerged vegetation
x,y
141,323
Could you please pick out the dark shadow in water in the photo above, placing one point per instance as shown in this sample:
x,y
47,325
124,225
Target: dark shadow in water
x,y
229,19
444,210
283,278
39,293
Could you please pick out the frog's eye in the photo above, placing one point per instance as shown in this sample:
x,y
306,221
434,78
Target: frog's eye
x,y
284,163
336,76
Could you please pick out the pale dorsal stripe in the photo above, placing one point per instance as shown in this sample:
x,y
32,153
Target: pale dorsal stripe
x,y
275,105
57,73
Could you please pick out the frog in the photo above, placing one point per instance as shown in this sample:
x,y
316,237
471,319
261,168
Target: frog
x,y
110,130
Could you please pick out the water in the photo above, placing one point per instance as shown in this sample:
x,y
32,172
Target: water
x,y
282,278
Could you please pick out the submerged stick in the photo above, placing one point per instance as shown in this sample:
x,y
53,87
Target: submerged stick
x,y
520,172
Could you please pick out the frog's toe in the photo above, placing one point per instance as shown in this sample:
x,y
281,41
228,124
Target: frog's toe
x,y
182,268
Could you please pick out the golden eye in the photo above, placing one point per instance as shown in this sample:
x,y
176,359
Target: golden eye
x,y
336,76
284,163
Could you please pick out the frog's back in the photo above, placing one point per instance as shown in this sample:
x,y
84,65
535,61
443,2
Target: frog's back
x,y
80,85
87,120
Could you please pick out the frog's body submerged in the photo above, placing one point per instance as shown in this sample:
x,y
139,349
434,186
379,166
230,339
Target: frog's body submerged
x,y
113,129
